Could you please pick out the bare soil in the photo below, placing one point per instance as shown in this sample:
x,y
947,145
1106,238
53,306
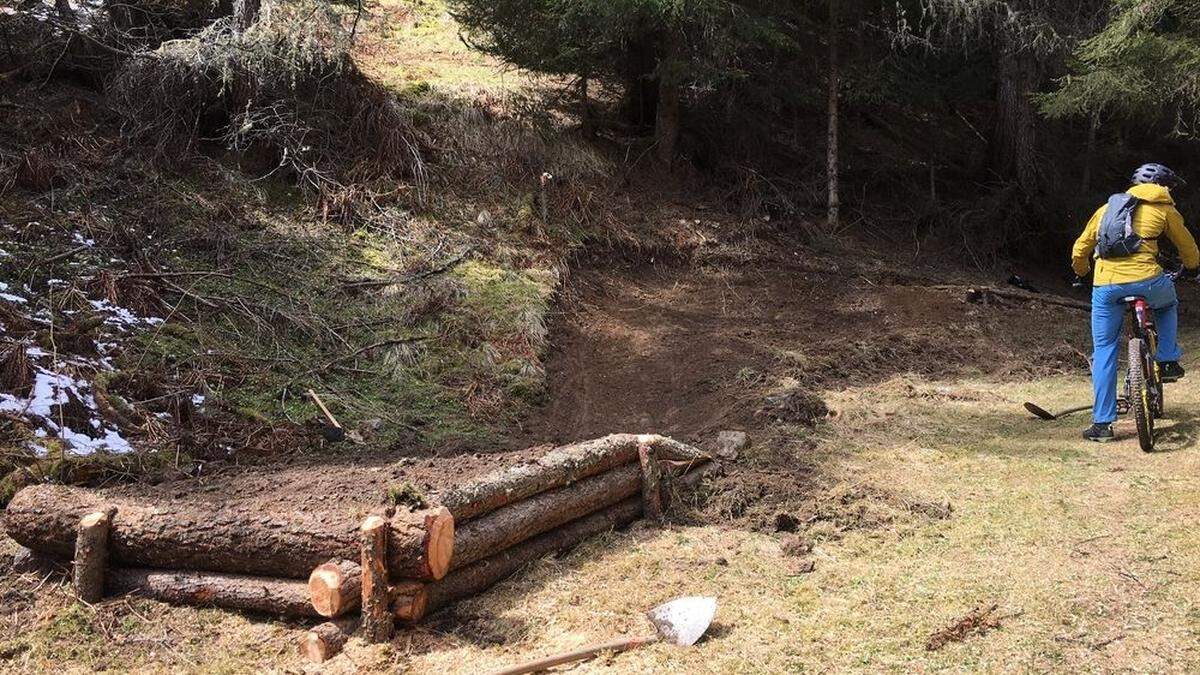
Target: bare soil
x,y
685,351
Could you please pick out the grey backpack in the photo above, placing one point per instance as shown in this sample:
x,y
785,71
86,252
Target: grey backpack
x,y
1116,238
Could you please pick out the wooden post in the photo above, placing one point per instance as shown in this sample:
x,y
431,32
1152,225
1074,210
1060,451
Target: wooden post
x,y
377,620
652,505
91,556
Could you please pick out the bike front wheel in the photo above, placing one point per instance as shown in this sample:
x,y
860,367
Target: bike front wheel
x,y
1141,399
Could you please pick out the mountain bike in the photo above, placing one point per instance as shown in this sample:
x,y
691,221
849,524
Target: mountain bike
x,y
1143,379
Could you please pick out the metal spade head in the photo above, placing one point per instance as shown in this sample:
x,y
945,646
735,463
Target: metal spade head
x,y
1039,411
683,621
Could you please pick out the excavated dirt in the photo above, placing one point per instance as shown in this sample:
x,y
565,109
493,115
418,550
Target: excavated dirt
x,y
689,351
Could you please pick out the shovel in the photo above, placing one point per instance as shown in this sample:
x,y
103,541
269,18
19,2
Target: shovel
x,y
681,622
1049,416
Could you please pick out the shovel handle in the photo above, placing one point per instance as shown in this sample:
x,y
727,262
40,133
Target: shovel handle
x,y
582,653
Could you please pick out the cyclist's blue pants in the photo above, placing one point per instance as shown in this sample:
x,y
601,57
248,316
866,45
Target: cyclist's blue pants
x,y
1108,313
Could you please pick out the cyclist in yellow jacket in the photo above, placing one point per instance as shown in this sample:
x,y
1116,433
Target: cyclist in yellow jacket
x,y
1136,274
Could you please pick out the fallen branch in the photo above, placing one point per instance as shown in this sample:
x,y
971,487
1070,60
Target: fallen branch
x,y
978,293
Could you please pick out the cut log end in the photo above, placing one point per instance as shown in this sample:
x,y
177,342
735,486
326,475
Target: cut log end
x,y
441,542
326,640
335,587
410,601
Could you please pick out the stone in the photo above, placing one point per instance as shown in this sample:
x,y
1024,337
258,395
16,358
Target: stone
x,y
730,444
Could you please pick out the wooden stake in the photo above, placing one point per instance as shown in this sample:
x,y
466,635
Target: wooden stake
x,y
326,640
377,621
652,505
91,556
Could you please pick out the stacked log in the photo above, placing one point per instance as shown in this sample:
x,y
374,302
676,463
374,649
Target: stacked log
x,y
229,538
393,567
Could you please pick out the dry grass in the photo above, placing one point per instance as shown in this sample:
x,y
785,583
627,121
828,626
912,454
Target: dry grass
x,y
1089,554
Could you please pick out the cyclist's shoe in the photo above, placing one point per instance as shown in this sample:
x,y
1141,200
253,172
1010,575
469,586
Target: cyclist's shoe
x,y
1099,433
1170,371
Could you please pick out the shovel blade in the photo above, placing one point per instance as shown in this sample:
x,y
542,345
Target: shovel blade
x,y
683,621
1039,411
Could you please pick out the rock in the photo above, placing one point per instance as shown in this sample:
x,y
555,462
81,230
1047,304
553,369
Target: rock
x,y
484,218
798,567
795,546
731,443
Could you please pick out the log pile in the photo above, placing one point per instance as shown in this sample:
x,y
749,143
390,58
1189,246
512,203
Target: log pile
x,y
362,577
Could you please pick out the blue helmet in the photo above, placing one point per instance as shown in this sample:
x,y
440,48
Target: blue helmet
x,y
1157,174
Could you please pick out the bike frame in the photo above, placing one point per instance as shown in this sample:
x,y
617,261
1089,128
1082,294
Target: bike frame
x,y
1141,325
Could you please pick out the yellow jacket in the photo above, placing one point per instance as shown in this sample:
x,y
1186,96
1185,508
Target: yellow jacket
x,y
1154,217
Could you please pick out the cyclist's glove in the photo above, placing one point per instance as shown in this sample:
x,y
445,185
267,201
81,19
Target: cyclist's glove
x,y
1078,282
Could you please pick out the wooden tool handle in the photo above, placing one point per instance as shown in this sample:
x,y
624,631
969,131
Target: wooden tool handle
x,y
325,411
582,653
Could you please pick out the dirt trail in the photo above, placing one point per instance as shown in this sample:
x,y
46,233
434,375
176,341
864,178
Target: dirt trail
x,y
686,351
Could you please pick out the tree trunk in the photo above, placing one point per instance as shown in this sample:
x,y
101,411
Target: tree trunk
x,y
1089,154
505,527
1014,139
833,216
281,597
559,467
91,556
376,610
227,538
473,579
667,115
326,640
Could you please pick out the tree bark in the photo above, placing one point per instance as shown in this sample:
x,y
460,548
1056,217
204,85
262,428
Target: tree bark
x,y
652,505
557,468
667,114
376,611
513,524
833,216
281,597
473,579
231,538
335,587
91,556
326,640
1014,141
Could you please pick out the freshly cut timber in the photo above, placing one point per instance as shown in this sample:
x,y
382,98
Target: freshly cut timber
x,y
517,522
468,581
91,556
227,538
284,597
377,620
336,587
326,640
559,467
410,600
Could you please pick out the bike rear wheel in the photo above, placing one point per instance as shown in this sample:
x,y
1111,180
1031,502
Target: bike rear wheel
x,y
1141,398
